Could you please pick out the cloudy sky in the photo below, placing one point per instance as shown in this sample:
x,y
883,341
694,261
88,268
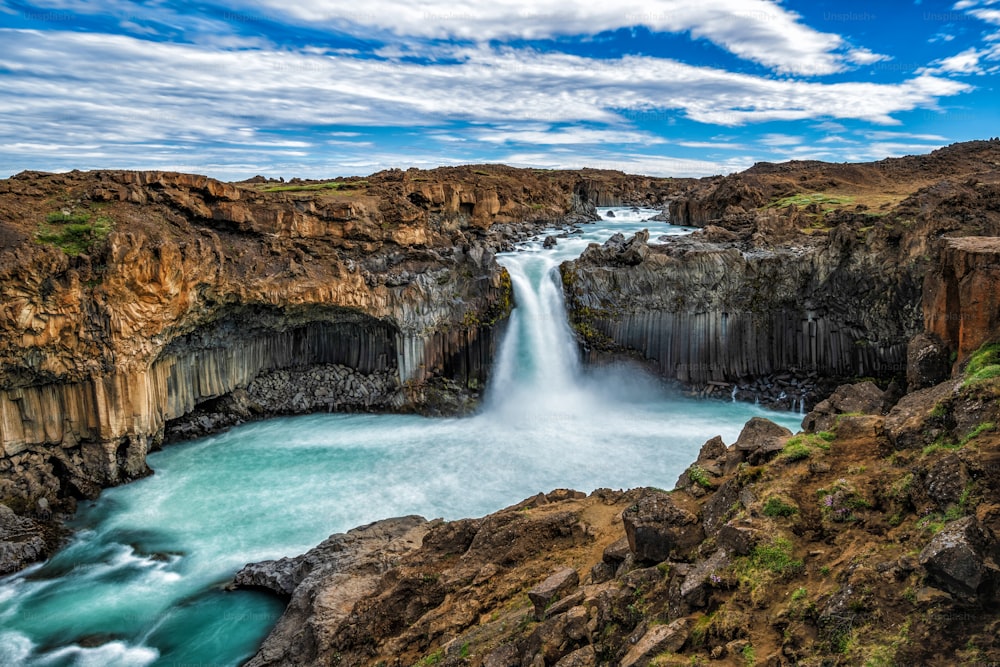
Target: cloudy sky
x,y
325,88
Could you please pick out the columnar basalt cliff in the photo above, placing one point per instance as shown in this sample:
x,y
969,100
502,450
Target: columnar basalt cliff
x,y
800,272
139,305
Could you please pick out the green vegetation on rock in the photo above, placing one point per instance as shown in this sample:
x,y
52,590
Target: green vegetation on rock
x,y
332,185
984,364
74,233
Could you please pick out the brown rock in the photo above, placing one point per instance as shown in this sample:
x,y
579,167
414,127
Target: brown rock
x,y
657,639
582,657
555,586
656,527
912,423
712,450
859,398
737,539
761,439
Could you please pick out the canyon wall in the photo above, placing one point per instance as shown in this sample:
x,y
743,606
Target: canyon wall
x,y
703,312
802,271
143,305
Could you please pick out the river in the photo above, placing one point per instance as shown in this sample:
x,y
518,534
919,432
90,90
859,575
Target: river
x,y
142,580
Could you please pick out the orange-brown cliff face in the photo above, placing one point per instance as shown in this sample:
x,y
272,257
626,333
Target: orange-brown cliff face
x,y
131,299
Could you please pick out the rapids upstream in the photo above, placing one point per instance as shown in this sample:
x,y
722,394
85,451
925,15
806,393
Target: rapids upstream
x,y
142,580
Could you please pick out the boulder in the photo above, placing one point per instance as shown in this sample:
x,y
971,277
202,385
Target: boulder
x,y
945,481
280,576
716,509
737,538
555,587
549,242
859,398
616,552
928,361
21,541
656,528
699,578
760,440
913,422
657,639
712,450
582,657
956,558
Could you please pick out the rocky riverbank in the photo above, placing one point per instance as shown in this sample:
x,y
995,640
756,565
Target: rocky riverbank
x,y
868,538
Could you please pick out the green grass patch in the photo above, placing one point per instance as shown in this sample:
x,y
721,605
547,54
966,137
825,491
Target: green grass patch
x,y
984,364
74,233
827,202
699,476
776,557
976,432
804,445
309,187
776,506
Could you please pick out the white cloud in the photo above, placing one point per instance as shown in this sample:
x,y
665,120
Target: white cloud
x,y
570,136
780,140
881,135
866,57
966,62
150,102
757,30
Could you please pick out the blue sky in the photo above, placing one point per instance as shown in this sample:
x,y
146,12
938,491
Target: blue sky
x,y
320,89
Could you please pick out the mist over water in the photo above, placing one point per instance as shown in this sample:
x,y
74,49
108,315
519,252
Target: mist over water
x,y
142,580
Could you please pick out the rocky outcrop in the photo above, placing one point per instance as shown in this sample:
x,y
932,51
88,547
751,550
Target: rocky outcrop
x,y
715,313
22,541
962,295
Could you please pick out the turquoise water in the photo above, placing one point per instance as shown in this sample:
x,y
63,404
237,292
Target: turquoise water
x,y
142,580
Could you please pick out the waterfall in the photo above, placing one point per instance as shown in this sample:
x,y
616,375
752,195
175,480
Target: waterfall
x,y
538,366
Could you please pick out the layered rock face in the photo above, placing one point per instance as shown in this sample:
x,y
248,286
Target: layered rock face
x,y
704,312
962,298
133,299
802,271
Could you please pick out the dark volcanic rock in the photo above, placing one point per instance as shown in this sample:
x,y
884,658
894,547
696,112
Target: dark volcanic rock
x,y
21,541
956,557
927,362
862,397
913,422
354,560
555,586
760,440
656,528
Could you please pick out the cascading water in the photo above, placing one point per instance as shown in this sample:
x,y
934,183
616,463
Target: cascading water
x,y
141,582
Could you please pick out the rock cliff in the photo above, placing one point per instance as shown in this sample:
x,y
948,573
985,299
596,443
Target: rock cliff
x,y
802,271
136,306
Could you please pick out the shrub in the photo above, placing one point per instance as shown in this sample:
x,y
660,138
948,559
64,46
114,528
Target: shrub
x,y
699,476
776,506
